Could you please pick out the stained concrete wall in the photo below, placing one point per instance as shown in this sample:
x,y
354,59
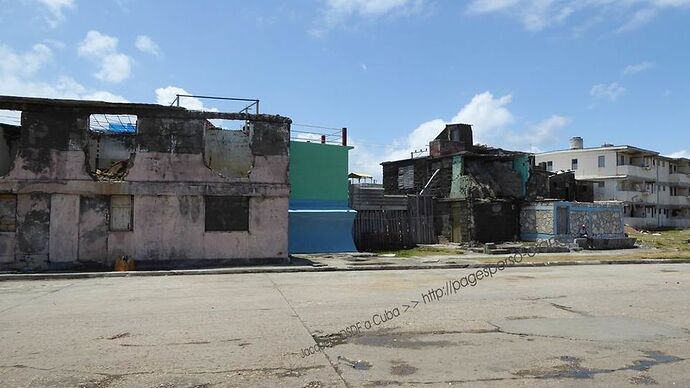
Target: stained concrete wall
x,y
64,227
33,229
228,153
63,209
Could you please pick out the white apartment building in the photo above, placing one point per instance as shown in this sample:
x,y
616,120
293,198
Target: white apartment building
x,y
655,189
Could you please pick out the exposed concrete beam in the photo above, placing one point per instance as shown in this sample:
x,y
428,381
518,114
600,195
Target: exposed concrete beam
x,y
148,110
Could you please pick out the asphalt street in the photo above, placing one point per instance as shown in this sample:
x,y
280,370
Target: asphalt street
x,y
620,326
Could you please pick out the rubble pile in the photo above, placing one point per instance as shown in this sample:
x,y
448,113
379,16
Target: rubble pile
x,y
116,171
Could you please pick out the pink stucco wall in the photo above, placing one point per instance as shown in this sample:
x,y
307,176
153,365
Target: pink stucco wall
x,y
63,208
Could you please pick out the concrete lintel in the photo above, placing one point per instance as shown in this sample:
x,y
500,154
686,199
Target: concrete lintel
x,y
146,188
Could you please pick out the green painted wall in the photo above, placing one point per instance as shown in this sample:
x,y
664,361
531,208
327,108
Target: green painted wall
x,y
458,183
318,171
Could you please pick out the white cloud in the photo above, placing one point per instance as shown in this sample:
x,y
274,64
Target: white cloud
x,y
491,121
166,96
54,43
96,45
487,6
313,137
638,68
55,9
545,130
680,154
536,15
638,19
611,91
24,64
103,96
115,68
18,77
486,114
145,44
672,3
102,49
339,12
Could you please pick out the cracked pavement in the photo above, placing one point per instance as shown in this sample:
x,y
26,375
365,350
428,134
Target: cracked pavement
x,y
621,326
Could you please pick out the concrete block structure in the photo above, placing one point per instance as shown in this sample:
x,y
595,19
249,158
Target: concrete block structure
x,y
542,220
87,182
655,189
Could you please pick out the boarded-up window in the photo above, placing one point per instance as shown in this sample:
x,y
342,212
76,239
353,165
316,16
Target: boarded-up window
x,y
226,214
406,177
120,213
8,212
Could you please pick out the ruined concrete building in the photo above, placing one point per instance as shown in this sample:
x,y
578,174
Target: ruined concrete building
x,y
86,182
477,188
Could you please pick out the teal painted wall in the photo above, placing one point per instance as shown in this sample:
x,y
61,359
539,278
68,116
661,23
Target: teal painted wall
x,y
319,218
522,166
318,171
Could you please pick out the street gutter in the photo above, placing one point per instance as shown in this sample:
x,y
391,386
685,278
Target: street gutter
x,y
306,268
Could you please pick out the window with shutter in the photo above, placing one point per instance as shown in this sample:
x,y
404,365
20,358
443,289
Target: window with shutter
x,y
121,213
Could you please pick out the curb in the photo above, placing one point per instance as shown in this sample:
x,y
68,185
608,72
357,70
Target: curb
x,y
253,270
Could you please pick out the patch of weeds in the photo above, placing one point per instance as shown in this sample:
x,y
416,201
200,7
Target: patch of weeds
x,y
425,251
667,240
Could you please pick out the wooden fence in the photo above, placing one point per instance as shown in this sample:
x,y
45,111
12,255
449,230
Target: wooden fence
x,y
393,228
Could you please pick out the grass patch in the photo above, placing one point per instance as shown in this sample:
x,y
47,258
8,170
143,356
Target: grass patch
x,y
633,254
425,251
674,240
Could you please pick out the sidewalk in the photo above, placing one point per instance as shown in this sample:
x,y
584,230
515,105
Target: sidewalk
x,y
372,262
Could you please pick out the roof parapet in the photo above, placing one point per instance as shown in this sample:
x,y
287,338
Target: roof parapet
x,y
33,104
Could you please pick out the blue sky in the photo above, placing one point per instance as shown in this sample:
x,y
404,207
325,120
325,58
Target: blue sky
x,y
528,74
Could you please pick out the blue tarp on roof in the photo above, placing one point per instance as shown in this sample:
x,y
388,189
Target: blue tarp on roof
x,y
122,128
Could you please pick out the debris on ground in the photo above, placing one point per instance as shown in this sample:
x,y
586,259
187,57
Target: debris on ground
x,y
630,230
116,171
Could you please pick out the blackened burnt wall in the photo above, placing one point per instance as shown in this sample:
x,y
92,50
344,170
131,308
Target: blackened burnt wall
x,y
423,170
61,131
267,141
182,136
495,221
538,185
44,134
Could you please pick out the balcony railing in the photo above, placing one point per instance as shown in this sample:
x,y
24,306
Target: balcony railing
x,y
634,196
680,200
678,177
636,171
